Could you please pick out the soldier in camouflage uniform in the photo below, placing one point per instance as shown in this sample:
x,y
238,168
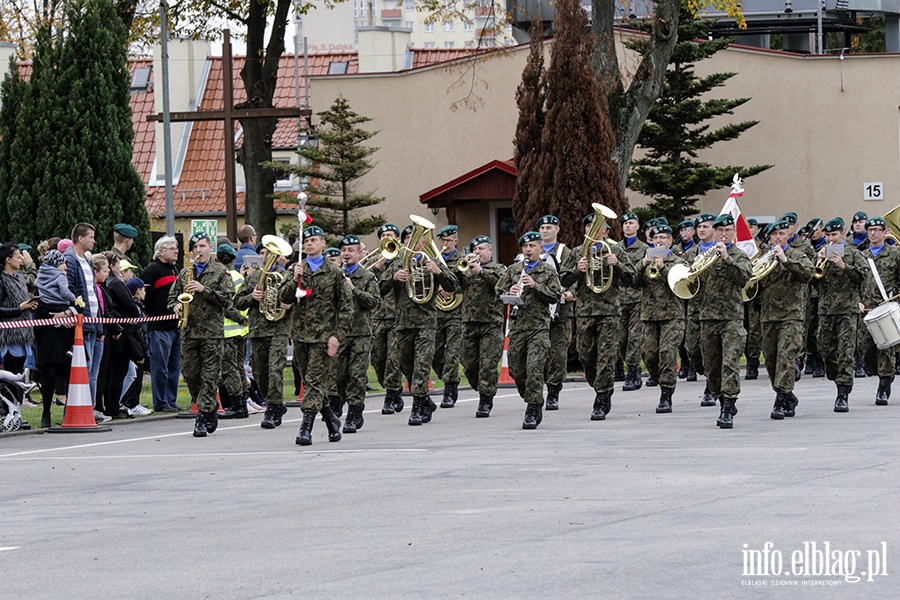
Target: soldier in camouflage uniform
x,y
268,340
722,333
483,318
752,324
707,236
814,362
630,306
662,313
353,358
800,243
561,259
686,234
384,337
529,332
858,236
838,309
597,320
448,335
123,239
234,347
201,349
416,323
887,262
320,319
782,294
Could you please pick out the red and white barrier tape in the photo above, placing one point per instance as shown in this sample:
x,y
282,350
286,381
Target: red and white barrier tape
x,y
71,320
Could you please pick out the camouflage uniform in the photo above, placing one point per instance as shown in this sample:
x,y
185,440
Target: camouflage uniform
x,y
722,333
888,265
234,347
630,325
692,323
384,341
812,313
448,335
201,348
680,250
353,358
483,315
269,341
123,256
783,296
324,313
562,259
662,313
838,309
529,332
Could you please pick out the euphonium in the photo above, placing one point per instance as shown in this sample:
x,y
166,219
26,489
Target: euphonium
x,y
420,284
762,265
599,274
684,280
445,303
270,305
185,298
388,249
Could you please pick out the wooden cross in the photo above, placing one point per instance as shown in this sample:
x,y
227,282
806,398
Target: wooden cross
x,y
228,116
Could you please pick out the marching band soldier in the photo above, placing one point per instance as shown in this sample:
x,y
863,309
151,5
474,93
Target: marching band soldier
x,y
686,233
529,335
630,306
353,357
416,326
319,321
801,243
685,243
597,320
561,314
707,236
234,347
212,289
483,315
887,261
722,333
449,325
813,360
751,323
782,316
858,234
384,342
662,314
838,309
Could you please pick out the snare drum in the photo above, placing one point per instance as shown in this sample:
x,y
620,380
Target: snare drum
x,y
883,323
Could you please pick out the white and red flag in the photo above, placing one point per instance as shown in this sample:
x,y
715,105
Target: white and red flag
x,y
743,238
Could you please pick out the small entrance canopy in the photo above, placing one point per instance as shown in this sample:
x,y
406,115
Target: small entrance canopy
x,y
495,180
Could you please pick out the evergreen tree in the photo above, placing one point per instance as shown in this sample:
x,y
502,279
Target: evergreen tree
x,y
333,166
677,129
12,95
528,200
577,139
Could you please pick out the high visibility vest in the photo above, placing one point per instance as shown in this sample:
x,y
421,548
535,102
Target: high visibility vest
x,y
233,329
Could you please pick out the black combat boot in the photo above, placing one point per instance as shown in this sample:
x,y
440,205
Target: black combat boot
x,y
272,418
682,370
884,391
531,417
728,412
843,396
539,412
607,401
553,390
350,421
332,422
388,408
790,404
651,382
451,393
428,409
485,404
304,438
798,369
752,369
691,373
397,397
415,417
778,409
810,365
200,425
599,414
859,367
620,371
337,405
897,364
819,370
708,399
212,421
45,413
665,400
633,379
233,410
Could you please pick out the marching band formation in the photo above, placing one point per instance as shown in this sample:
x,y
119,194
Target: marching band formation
x,y
813,296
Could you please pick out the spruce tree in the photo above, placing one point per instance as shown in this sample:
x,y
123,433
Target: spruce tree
x,y
339,159
577,138
528,204
677,129
12,95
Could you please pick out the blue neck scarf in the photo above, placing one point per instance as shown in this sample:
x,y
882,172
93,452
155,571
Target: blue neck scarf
x,y
818,245
704,246
629,241
351,269
858,238
876,251
785,247
315,263
447,255
687,245
530,265
200,268
548,247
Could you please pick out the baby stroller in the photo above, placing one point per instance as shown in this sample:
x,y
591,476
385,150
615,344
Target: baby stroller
x,y
12,393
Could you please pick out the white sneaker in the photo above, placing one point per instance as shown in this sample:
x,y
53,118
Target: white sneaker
x,y
253,408
99,417
139,411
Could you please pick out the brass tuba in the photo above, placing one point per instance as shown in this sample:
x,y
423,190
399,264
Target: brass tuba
x,y
684,280
420,285
599,274
270,305
185,298
762,265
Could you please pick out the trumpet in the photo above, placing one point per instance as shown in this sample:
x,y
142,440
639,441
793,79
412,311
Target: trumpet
x,y
819,268
465,264
185,298
388,249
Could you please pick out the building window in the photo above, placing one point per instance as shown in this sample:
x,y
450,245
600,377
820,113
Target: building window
x,y
408,25
140,79
449,44
429,44
448,25
467,26
470,43
429,27
409,5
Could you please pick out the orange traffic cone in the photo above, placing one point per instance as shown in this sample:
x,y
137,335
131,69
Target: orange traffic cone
x,y
79,412
298,402
191,413
505,381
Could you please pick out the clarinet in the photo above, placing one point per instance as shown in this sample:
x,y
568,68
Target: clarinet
x,y
514,311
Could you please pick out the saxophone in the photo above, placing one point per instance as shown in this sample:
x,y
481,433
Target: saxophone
x,y
185,298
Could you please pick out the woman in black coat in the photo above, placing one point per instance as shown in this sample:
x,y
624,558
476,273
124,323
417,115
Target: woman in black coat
x,y
114,365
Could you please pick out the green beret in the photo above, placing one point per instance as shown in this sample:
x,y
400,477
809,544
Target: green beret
x,y
531,236
388,227
260,246
790,217
876,222
815,223
447,230
725,220
547,220
752,223
478,240
23,247
587,219
126,230
407,231
330,252
835,224
200,235
657,229
705,218
629,216
349,240
656,221
314,231
224,249
686,223
859,216
777,225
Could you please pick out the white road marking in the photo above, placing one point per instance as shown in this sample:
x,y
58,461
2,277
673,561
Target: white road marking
x,y
2,548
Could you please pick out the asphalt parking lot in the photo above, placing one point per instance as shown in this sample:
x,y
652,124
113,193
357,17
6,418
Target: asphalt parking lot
x,y
638,506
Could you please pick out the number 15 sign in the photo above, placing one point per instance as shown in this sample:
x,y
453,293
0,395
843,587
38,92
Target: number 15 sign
x,y
873,190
